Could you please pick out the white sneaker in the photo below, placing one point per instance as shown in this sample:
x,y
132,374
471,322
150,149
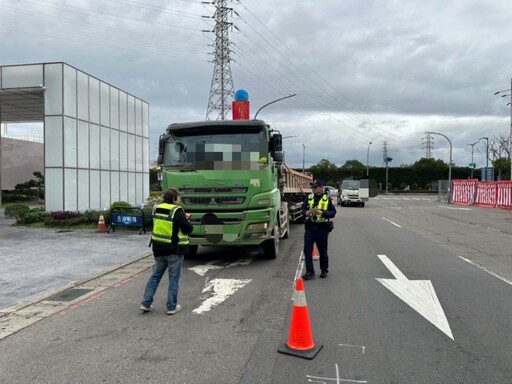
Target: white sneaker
x,y
175,310
145,308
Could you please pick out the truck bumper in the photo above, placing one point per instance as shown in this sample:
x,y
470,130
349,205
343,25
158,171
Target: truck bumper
x,y
232,228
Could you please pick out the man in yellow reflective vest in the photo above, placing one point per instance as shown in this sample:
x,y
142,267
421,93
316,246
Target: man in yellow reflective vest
x,y
170,243
318,209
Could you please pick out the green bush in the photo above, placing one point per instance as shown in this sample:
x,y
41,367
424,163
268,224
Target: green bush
x,y
155,197
16,210
120,204
91,217
34,215
70,218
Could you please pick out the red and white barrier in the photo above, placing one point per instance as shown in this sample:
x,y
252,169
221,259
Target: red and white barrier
x,y
485,194
463,191
504,195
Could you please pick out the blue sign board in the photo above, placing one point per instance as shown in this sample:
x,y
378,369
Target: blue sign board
x,y
487,174
126,219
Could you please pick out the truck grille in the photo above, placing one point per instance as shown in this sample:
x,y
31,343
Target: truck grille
x,y
214,190
218,200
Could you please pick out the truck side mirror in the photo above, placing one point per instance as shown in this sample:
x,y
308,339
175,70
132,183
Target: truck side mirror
x,y
276,143
161,144
278,157
160,159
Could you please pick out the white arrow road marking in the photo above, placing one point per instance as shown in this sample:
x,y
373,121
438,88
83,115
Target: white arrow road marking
x,y
202,270
220,290
418,294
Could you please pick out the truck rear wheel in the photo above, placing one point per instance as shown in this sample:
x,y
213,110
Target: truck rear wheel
x,y
271,246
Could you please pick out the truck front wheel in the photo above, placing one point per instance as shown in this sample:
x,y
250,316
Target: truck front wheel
x,y
271,246
192,250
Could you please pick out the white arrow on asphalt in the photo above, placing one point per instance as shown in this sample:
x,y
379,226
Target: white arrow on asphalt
x,y
202,270
219,290
418,294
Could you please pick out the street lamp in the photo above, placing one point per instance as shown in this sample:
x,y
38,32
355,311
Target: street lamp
x,y
303,157
486,156
449,164
510,133
472,162
368,160
272,102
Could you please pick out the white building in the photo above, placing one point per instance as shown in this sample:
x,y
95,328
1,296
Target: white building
x,y
96,136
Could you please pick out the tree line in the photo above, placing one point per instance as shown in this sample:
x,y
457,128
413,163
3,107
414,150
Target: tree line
x,y
422,175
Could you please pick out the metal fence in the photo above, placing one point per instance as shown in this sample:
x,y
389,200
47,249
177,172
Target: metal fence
x,y
443,191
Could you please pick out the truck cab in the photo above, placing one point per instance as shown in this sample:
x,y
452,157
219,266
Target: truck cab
x,y
228,173
348,193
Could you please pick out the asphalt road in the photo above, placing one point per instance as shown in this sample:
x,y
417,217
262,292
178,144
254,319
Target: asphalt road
x,y
418,292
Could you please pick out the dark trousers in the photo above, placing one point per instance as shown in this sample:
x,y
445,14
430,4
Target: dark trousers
x,y
316,233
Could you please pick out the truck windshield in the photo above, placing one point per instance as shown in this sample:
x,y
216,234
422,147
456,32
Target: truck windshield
x,y
217,150
350,184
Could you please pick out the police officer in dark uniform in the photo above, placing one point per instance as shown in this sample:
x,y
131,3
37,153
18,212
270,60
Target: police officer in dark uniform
x,y
318,209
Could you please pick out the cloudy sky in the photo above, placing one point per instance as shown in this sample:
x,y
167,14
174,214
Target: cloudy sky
x,y
380,71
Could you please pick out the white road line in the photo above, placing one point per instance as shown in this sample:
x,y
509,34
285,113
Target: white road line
x,y
389,221
362,347
486,270
455,208
337,379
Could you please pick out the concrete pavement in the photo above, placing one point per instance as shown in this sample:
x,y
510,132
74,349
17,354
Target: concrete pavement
x,y
37,262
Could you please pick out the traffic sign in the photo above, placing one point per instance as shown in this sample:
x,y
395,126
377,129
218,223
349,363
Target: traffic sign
x,y
472,165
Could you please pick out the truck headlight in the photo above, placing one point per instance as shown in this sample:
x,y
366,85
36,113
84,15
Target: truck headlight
x,y
265,202
257,226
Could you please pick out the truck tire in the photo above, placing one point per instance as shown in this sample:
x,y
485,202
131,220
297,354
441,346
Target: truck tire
x,y
271,246
193,250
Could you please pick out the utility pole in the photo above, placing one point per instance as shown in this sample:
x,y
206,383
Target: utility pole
x,y
385,160
486,157
508,94
222,82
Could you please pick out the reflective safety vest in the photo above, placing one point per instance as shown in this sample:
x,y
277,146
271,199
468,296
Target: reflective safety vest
x,y
163,225
323,204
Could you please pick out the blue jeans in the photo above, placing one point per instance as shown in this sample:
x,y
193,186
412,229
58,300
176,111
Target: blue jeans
x,y
173,262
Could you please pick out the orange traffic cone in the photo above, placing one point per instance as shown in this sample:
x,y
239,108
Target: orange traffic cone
x,y
315,253
102,228
300,338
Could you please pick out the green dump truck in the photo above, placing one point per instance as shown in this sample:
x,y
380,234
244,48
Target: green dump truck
x,y
233,182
